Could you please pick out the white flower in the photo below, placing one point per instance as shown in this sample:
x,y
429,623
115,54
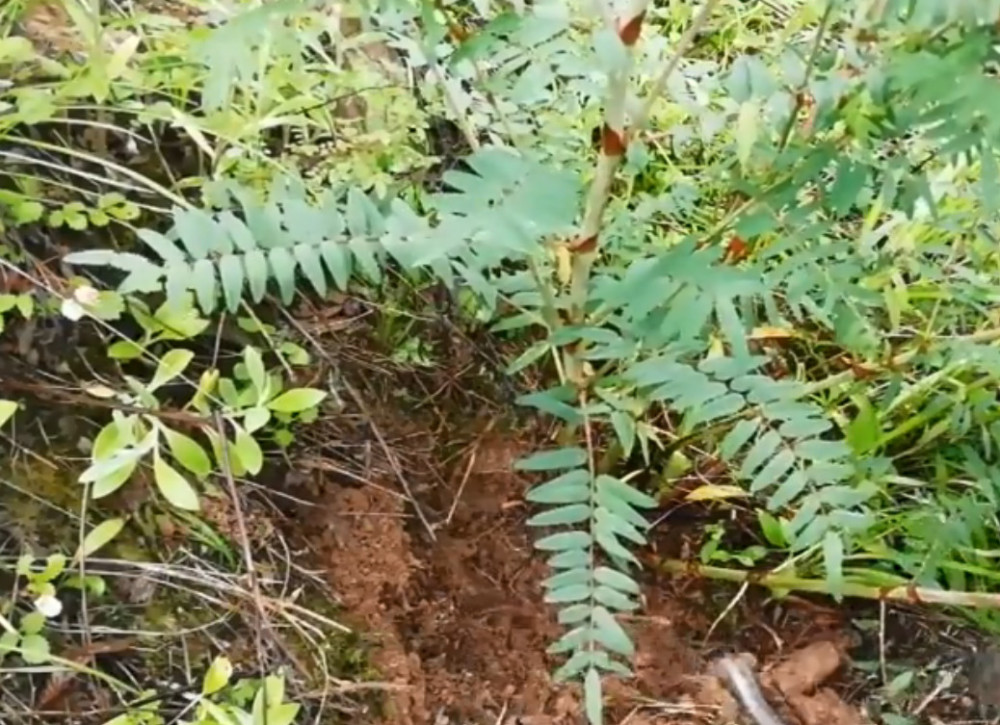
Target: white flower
x,y
86,295
48,605
72,309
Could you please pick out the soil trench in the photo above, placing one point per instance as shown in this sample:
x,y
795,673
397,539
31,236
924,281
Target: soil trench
x,y
457,627
458,624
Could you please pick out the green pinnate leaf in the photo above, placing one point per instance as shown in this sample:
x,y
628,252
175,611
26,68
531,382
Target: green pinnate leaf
x,y
608,541
197,231
574,613
762,450
337,259
610,521
570,487
564,515
257,274
576,664
232,277
164,248
593,697
554,459
737,437
309,262
610,633
822,450
282,265
204,282
579,575
572,593
563,541
570,559
616,580
574,639
625,428
368,263
727,405
774,470
614,599
616,488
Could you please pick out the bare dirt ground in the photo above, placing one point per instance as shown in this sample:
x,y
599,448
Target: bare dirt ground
x,y
456,625
459,621
450,603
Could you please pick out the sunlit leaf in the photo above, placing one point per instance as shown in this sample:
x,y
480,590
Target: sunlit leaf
x,y
172,364
173,485
7,410
217,676
99,536
187,452
296,400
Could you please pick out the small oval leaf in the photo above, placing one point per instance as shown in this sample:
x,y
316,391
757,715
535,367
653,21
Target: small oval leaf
x,y
99,536
296,400
173,485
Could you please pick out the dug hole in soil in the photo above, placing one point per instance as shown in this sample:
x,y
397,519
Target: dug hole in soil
x,y
454,620
458,622
457,626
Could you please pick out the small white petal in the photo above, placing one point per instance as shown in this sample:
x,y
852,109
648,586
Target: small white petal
x,y
48,605
72,309
86,295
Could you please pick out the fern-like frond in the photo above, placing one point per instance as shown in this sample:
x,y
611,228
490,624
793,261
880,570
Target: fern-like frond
x,y
598,516
499,211
780,443
219,253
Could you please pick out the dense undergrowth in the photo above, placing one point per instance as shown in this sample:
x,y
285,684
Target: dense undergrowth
x,y
771,285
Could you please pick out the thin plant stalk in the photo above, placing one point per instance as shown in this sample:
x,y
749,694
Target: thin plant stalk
x,y
775,580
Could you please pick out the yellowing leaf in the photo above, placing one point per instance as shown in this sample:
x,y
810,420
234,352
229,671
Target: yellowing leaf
x,y
171,365
100,535
248,451
206,386
187,452
296,400
712,492
217,676
173,485
772,333
7,410
125,350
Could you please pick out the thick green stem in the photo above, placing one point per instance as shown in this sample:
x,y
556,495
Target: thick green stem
x,y
773,580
